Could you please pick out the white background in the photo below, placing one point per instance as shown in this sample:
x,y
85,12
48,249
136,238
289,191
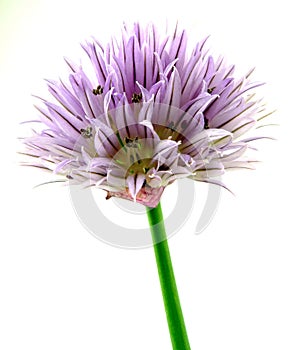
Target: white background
x,y
63,289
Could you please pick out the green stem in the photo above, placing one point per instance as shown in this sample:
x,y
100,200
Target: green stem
x,y
172,305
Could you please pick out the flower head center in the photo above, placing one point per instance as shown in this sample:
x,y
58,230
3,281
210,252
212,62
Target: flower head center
x,y
140,166
135,156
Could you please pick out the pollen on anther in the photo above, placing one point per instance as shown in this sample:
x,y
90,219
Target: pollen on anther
x,y
98,90
206,126
136,98
87,133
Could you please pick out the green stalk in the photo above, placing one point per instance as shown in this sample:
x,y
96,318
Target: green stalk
x,y
172,305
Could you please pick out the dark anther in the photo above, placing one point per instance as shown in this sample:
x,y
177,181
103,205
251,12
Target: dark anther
x,y
171,126
164,167
98,90
69,177
136,98
184,124
87,133
209,90
206,126
131,142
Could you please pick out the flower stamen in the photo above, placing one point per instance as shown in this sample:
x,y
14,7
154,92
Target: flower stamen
x,y
87,133
98,90
206,126
132,142
136,98
171,126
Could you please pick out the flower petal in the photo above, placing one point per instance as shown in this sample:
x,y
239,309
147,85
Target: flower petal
x,y
135,183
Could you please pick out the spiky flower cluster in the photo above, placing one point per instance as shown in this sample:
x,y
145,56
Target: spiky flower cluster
x,y
153,111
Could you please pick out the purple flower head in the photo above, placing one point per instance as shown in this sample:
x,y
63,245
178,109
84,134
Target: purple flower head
x,y
152,111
